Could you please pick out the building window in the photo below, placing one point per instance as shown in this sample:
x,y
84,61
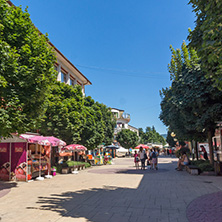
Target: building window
x,y
72,82
63,77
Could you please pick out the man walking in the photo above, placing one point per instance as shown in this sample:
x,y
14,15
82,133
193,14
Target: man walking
x,y
142,158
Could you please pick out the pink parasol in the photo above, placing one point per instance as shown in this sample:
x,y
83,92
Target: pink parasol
x,y
26,136
55,141
75,147
141,145
49,140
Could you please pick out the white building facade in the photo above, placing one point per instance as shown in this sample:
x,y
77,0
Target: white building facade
x,y
122,120
68,73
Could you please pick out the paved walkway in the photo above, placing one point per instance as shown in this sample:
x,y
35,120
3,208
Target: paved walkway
x,y
115,193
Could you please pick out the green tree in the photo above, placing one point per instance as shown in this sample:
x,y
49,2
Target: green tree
x,y
170,140
151,136
26,71
206,37
191,105
64,114
127,138
110,123
92,131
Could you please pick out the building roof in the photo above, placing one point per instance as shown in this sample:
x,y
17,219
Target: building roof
x,y
132,127
13,139
118,109
65,60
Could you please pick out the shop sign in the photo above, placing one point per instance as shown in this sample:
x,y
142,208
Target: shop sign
x,y
18,149
3,149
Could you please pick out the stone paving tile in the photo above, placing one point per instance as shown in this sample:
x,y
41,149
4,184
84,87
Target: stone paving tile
x,y
129,195
206,208
118,218
134,219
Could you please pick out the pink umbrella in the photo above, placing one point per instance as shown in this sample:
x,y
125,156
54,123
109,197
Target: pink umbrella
x,y
55,141
26,136
44,142
36,139
142,145
75,147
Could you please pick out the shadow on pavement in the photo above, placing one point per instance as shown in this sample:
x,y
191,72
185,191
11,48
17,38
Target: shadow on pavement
x,y
146,171
112,203
5,187
95,204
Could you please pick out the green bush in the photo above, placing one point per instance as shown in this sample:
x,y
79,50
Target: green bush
x,y
204,165
74,163
69,164
59,168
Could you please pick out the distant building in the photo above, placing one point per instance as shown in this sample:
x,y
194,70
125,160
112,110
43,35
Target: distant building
x,y
122,120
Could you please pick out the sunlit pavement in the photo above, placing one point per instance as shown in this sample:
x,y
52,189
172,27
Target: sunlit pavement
x,y
115,193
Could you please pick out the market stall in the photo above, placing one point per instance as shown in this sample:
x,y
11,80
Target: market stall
x,y
13,159
77,151
98,157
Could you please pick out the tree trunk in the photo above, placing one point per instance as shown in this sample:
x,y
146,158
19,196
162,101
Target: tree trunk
x,y
209,138
196,150
192,150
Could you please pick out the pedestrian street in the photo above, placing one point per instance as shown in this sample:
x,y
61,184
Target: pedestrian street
x,y
113,193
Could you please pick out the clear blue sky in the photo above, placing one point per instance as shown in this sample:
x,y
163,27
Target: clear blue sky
x,y
121,46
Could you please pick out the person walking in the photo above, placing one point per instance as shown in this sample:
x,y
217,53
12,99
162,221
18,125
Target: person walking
x,y
204,152
170,152
154,155
136,160
142,158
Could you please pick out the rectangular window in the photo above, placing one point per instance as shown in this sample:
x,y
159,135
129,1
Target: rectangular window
x,y
71,82
63,77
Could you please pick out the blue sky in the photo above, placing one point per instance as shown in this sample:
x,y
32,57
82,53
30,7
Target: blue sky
x,y
121,46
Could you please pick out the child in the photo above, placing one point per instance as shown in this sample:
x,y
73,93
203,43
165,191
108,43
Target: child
x,y
136,160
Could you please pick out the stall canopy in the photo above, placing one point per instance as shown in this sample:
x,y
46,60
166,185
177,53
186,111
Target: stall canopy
x,y
112,147
43,140
75,147
142,145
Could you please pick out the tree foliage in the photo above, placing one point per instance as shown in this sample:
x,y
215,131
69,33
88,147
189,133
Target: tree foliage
x,y
191,106
98,125
64,114
26,71
76,119
127,138
206,37
170,140
150,136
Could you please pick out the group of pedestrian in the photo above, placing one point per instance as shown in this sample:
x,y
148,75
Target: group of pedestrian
x,y
150,156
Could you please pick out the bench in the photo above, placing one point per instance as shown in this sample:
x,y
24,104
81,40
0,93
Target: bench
x,y
79,167
66,170
193,170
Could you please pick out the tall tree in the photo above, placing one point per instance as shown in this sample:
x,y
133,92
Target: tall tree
x,y
26,71
192,105
92,131
127,138
151,136
110,123
206,37
64,114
